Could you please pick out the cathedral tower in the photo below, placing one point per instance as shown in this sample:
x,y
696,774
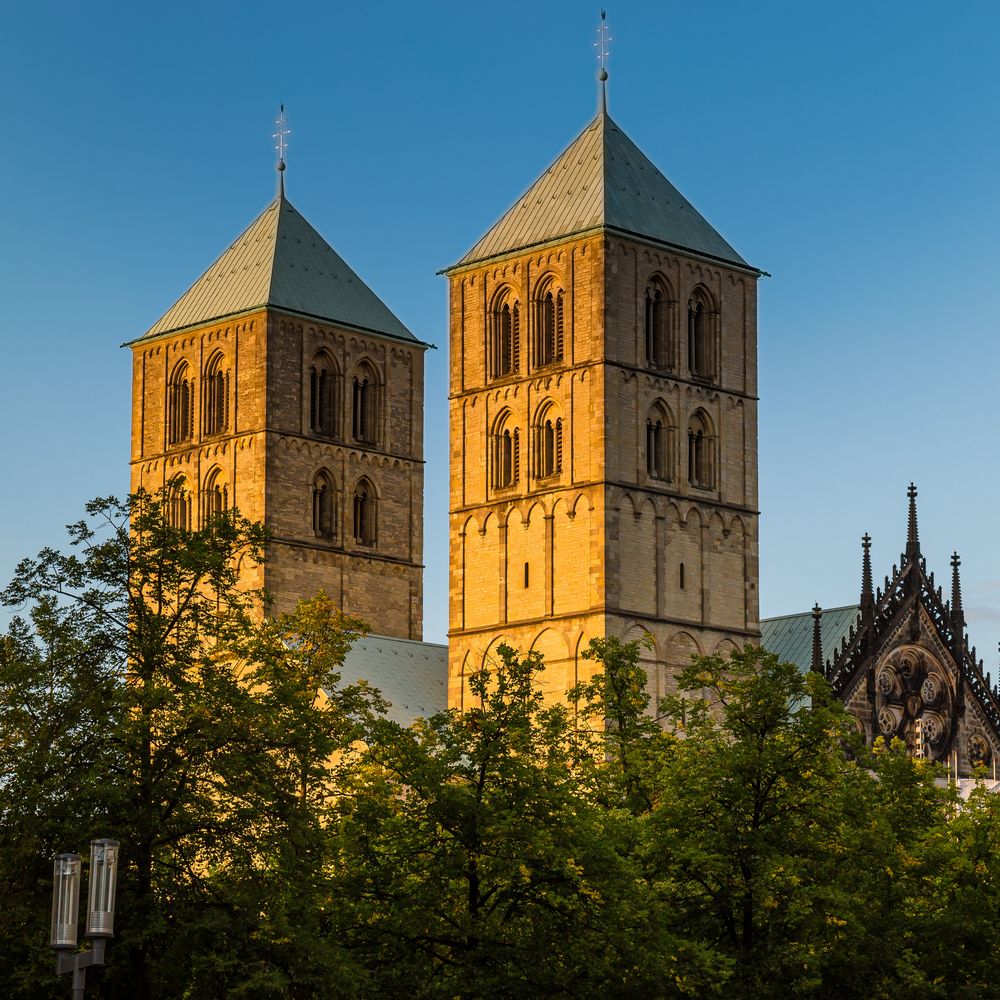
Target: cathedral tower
x,y
603,416
281,384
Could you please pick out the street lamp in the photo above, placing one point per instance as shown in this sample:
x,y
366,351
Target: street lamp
x,y
100,910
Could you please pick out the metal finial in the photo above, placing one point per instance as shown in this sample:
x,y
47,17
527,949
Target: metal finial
x,y
282,131
603,54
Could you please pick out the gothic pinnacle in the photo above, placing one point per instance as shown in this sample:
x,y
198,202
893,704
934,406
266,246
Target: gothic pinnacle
x,y
912,537
957,613
867,594
817,649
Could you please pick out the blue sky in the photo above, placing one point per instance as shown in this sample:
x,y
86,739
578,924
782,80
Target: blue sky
x,y
850,151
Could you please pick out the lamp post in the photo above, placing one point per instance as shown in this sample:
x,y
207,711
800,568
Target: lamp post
x,y
100,910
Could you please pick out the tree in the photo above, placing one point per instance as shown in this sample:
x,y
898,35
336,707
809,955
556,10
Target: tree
x,y
746,835
147,699
477,864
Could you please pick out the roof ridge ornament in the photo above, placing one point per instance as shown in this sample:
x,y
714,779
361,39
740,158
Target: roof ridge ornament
x,y
603,54
281,133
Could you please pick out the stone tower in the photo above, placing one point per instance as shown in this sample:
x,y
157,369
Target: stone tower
x,y
281,384
603,418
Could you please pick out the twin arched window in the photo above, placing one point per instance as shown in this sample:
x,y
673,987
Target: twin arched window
x,y
660,445
506,452
702,322
180,405
365,405
324,506
549,325
216,389
178,512
548,443
324,382
365,513
504,345
701,451
658,308
215,497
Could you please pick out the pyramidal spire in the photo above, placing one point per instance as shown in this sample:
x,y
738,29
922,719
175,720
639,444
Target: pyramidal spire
x,y
867,591
912,537
957,614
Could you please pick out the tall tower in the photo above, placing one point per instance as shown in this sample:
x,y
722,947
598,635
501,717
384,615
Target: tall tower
x,y
281,384
603,416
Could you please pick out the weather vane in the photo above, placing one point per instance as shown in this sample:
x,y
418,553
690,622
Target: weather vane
x,y
281,124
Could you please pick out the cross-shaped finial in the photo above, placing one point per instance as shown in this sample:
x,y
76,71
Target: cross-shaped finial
x,y
281,125
866,540
603,38
282,130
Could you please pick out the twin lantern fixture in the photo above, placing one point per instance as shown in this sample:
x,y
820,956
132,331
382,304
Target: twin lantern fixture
x,y
100,910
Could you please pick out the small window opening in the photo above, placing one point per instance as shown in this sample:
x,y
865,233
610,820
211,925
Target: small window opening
x,y
526,575
682,576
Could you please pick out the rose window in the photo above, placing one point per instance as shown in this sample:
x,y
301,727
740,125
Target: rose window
x,y
911,684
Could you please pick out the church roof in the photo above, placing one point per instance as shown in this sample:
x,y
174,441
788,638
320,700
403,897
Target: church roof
x,y
603,180
791,636
281,261
412,676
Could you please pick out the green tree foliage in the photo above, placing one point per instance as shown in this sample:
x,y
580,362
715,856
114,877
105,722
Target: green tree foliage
x,y
283,839
146,699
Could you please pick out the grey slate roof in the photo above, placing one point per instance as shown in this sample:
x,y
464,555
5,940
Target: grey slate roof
x,y
412,676
281,261
790,636
603,180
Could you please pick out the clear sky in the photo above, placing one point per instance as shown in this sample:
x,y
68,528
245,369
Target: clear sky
x,y
850,150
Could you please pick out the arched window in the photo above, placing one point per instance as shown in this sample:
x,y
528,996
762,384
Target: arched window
x,y
548,442
660,443
657,324
215,497
701,334
505,336
180,405
324,506
506,448
179,504
701,451
324,404
216,389
366,405
549,325
365,513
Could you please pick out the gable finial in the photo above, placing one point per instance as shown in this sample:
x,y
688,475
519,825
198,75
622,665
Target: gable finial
x,y
603,38
867,591
957,614
912,538
281,133
817,651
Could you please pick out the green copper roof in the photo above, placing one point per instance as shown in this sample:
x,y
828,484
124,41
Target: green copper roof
x,y
603,180
281,261
791,636
412,676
